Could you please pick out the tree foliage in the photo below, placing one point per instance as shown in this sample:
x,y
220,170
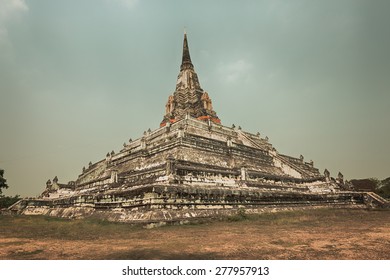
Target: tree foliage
x,y
384,188
6,201
381,187
3,181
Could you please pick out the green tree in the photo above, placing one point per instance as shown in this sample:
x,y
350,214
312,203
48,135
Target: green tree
x,y
3,182
6,201
384,189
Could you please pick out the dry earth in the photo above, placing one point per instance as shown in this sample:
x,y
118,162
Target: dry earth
x,y
309,234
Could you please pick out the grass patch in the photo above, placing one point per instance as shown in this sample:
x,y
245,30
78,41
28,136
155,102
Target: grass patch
x,y
299,234
92,228
240,216
26,254
52,227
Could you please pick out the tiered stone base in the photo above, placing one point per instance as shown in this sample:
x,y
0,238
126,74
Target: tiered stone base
x,y
154,203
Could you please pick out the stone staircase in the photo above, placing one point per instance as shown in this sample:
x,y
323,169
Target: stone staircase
x,y
302,171
375,200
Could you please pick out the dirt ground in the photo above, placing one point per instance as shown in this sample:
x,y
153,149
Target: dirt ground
x,y
310,234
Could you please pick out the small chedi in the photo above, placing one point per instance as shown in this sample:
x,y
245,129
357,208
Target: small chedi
x,y
192,166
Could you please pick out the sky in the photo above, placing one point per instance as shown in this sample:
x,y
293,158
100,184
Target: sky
x,y
79,78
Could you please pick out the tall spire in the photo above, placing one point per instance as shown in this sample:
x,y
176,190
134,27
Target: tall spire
x,y
186,60
189,99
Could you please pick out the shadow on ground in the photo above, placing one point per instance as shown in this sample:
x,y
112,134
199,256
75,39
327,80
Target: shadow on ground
x,y
160,255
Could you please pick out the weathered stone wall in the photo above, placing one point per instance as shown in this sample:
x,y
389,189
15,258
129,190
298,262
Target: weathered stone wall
x,y
161,203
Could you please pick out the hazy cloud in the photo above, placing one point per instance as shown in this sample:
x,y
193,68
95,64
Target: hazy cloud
x,y
236,71
10,9
130,4
3,33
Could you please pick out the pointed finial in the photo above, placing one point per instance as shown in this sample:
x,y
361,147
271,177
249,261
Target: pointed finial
x,y
186,59
185,30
